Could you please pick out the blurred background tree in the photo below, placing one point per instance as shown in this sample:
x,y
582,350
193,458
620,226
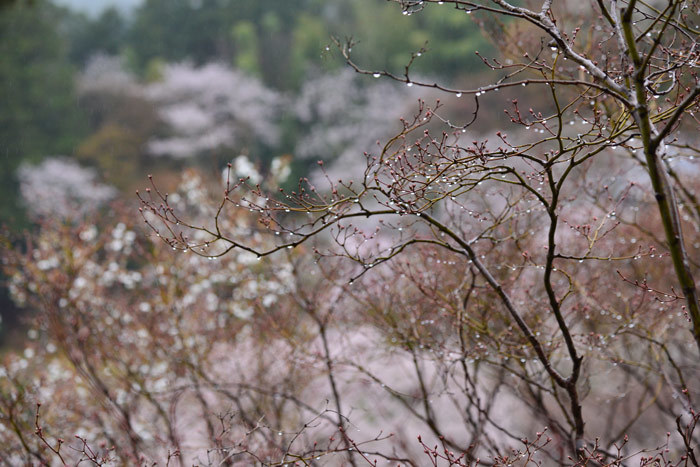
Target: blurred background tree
x,y
39,116
105,34
282,43
80,82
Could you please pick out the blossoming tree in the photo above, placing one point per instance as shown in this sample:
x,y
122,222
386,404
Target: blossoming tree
x,y
545,226
520,297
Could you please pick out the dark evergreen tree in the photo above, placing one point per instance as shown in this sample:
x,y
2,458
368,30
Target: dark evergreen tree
x,y
39,113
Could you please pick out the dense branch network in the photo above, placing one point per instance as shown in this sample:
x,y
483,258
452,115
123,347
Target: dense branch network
x,y
627,90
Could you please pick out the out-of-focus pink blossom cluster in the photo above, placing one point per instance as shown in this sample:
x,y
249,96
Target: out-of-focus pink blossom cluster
x,y
60,187
131,344
212,106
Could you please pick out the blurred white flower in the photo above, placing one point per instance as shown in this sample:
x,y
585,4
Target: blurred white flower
x,y
242,312
243,167
46,264
280,168
59,187
88,234
211,107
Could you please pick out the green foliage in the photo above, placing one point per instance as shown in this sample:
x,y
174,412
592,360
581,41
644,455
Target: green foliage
x,y
309,38
116,151
452,39
383,35
39,116
280,41
178,29
386,38
257,37
121,124
246,47
106,34
207,30
154,70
